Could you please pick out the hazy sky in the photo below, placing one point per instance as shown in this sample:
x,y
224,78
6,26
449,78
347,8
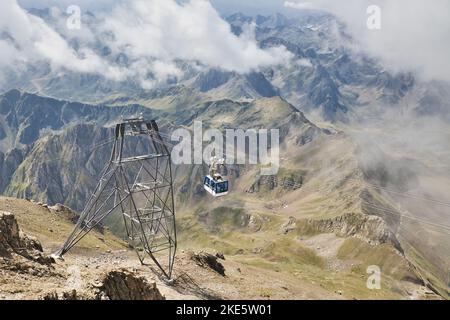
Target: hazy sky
x,y
249,6
224,6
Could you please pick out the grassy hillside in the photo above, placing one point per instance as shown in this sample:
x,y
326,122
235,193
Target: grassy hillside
x,y
53,229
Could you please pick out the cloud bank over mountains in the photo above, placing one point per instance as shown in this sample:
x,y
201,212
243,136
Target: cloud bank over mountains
x,y
413,37
165,31
26,39
154,35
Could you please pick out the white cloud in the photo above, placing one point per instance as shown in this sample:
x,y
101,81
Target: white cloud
x,y
28,39
298,5
192,31
414,33
154,34
304,63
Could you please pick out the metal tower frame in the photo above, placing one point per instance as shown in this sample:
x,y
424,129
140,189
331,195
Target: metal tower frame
x,y
140,188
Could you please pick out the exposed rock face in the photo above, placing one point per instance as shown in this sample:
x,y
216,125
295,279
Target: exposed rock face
x,y
369,228
62,168
212,79
323,91
289,226
261,85
125,285
14,242
9,162
28,115
269,183
42,137
206,260
231,84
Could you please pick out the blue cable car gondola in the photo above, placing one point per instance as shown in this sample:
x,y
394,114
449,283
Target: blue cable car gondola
x,y
214,183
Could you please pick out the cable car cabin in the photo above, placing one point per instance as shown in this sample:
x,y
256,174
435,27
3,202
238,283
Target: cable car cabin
x,y
216,186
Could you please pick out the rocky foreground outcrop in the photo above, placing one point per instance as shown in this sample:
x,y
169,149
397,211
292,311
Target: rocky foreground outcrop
x,y
125,285
27,272
113,285
14,243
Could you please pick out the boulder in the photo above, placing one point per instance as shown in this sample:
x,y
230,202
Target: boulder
x,y
14,242
125,285
208,261
9,234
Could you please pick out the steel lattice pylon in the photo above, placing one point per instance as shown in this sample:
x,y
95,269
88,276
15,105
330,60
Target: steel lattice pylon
x,y
139,187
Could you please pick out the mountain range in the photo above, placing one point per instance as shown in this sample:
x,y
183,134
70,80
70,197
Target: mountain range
x,y
357,187
326,74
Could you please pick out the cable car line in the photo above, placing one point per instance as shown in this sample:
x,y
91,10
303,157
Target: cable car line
x,y
446,227
404,194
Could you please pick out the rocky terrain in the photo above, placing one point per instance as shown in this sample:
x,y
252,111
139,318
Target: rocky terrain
x,y
102,267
